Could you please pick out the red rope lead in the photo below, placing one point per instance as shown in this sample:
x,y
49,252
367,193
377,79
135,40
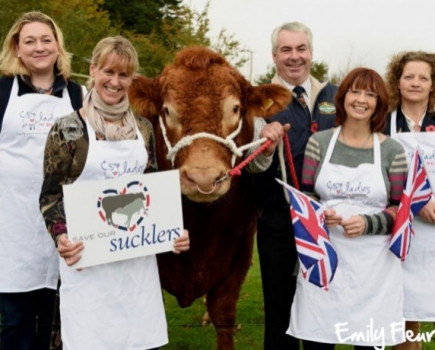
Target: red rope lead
x,y
291,165
237,170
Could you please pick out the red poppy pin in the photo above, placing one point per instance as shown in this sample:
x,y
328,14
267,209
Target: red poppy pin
x,y
429,128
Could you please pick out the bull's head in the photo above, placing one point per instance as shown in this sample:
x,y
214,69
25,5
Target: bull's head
x,y
199,106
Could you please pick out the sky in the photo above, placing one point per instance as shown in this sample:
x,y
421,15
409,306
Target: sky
x,y
346,33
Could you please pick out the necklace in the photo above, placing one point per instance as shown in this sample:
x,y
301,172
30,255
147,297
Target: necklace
x,y
362,146
42,90
414,123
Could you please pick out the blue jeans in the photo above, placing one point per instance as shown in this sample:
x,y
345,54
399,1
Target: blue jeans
x,y
26,320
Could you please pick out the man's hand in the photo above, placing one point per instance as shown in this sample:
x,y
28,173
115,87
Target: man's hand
x,y
273,131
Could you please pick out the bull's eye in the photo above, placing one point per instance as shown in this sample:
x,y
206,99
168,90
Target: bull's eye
x,y
231,113
169,113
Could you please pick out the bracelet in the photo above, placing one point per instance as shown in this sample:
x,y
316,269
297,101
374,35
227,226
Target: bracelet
x,y
58,228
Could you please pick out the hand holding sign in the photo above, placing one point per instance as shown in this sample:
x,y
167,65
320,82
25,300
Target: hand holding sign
x,y
68,250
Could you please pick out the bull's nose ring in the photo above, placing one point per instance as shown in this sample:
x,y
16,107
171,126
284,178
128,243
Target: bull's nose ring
x,y
206,192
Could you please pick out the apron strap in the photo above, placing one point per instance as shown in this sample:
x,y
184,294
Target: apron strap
x,y
377,150
332,144
393,123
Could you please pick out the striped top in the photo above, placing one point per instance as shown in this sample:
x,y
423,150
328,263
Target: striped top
x,y
394,171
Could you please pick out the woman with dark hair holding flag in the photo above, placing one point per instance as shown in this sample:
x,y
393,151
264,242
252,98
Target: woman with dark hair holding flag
x,y
358,175
411,80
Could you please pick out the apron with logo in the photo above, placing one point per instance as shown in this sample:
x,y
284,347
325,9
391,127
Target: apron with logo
x,y
366,292
114,306
419,287
28,256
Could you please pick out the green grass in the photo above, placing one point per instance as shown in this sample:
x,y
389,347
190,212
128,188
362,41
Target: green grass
x,y
187,333
185,325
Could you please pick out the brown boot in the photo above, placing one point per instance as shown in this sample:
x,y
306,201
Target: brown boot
x,y
414,326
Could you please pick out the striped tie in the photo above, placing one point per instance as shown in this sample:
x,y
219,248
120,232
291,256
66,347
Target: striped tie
x,y
299,91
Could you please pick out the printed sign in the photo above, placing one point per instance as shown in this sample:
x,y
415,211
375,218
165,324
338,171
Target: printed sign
x,y
124,218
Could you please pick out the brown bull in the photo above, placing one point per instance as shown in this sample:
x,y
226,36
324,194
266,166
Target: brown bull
x,y
200,93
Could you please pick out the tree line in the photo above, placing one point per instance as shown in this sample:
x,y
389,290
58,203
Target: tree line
x,y
157,28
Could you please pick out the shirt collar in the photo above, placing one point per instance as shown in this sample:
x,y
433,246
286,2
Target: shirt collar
x,y
411,123
306,85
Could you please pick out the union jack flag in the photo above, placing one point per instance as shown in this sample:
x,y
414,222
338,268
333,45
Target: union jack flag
x,y
415,196
317,256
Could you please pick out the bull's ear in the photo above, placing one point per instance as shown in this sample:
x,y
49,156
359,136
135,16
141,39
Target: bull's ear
x,y
267,100
144,96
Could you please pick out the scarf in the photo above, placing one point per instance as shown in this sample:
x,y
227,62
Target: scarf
x,y
98,112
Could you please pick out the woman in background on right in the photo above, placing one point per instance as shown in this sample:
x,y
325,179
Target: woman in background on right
x,y
411,80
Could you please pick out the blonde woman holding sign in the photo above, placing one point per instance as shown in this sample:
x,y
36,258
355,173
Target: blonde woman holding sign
x,y
118,305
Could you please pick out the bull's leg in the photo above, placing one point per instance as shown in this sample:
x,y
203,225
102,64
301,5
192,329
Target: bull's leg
x,y
221,306
222,301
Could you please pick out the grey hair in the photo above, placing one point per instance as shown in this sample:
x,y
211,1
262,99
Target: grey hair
x,y
291,27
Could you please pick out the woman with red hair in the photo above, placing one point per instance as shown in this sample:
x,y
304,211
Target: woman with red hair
x,y
358,174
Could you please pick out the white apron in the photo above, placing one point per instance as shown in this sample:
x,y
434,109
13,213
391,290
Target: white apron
x,y
419,288
28,257
116,306
366,290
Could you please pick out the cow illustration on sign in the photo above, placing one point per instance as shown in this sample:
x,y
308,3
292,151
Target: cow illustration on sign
x,y
116,204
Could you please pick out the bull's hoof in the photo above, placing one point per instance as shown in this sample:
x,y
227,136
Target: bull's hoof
x,y
206,319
